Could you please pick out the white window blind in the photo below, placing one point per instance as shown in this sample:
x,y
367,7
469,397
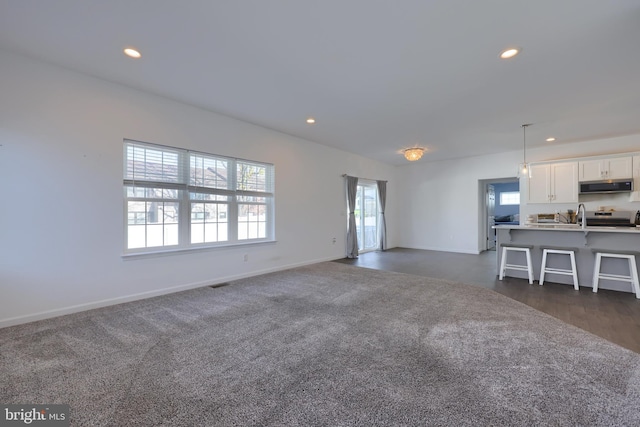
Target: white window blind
x,y
177,198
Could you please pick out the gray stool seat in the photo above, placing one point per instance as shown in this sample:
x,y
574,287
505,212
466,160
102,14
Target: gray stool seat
x,y
632,277
559,250
513,247
615,251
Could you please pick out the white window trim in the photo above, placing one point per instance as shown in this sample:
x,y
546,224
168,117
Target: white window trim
x,y
186,189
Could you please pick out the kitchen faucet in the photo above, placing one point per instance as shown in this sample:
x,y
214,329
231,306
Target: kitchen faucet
x,y
581,209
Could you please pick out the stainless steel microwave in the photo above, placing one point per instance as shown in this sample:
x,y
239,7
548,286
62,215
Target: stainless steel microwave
x,y
608,186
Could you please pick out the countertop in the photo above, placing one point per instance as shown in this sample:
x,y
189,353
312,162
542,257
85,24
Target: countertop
x,y
570,227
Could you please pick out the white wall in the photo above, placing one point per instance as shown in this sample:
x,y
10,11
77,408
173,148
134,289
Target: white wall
x,y
440,207
61,221
440,201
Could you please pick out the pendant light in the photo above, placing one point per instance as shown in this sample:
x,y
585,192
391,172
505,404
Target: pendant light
x,y
523,168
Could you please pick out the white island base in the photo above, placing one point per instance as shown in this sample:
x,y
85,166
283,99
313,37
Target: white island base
x,y
584,240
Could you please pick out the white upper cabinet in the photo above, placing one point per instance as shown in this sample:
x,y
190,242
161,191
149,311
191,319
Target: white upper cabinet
x,y
539,183
620,168
611,168
554,183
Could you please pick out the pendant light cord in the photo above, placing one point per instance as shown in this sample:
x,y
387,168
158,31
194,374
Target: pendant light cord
x,y
524,142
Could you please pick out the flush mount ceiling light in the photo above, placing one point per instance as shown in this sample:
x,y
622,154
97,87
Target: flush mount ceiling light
x,y
509,53
130,52
311,121
413,154
550,139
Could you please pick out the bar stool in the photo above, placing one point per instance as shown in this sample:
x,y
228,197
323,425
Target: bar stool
x,y
609,253
550,250
509,247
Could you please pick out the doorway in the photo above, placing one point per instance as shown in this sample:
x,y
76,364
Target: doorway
x,y
499,204
366,214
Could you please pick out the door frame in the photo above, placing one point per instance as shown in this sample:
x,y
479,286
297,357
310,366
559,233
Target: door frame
x,y
483,219
372,184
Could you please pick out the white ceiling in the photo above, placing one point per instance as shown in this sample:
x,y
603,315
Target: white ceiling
x,y
378,75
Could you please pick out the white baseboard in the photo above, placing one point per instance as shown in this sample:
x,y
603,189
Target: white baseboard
x,y
18,320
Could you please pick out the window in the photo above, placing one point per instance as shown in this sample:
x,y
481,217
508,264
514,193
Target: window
x,y
510,198
176,199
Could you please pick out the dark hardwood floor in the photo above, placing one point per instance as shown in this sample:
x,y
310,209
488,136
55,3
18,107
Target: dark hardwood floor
x,y
612,315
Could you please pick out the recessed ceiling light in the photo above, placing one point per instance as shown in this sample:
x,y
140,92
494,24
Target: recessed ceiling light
x,y
311,120
551,139
132,53
509,53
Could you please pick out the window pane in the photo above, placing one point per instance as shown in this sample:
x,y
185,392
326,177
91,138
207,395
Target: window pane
x,y
206,171
136,236
208,197
197,233
510,198
170,234
135,192
155,235
211,232
152,193
251,221
252,230
197,213
152,223
254,199
152,164
251,177
136,213
208,222
170,194
223,232
170,210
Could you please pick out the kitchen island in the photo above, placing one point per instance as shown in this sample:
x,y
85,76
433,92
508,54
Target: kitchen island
x,y
570,235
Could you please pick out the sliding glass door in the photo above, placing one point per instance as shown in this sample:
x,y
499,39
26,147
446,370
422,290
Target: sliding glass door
x,y
366,214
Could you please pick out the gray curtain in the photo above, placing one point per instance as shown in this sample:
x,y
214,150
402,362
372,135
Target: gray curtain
x,y
382,223
352,237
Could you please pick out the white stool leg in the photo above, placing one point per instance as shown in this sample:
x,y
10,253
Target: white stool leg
x,y
633,270
529,266
596,272
503,263
544,266
574,270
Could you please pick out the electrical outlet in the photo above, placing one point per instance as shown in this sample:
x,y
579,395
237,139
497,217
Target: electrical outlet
x,y
245,258
333,240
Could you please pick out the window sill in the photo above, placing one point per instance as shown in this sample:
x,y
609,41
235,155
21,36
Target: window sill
x,y
169,252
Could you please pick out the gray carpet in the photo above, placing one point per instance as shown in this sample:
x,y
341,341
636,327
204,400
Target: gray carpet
x,y
327,344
